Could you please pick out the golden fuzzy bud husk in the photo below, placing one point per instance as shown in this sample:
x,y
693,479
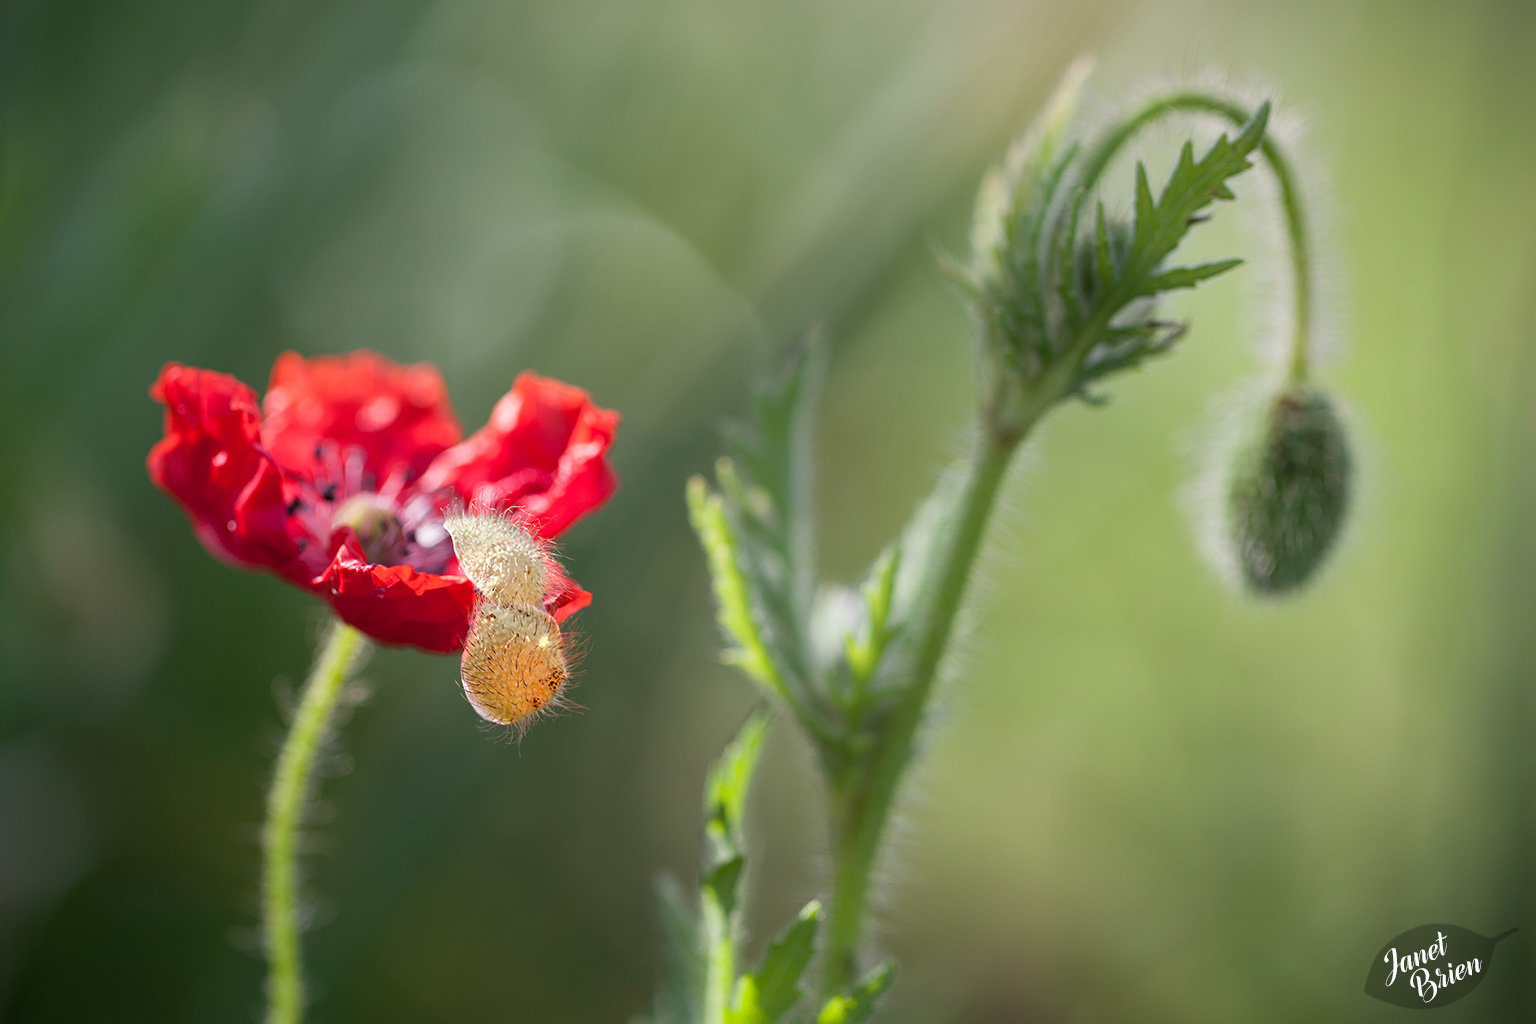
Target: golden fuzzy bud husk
x,y
513,665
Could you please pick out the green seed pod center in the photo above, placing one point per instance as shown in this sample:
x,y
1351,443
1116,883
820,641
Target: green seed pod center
x,y
378,528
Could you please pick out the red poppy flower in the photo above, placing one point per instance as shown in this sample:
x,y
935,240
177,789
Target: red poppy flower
x,y
339,480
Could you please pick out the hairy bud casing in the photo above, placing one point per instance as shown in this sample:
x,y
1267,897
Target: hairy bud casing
x,y
513,666
514,663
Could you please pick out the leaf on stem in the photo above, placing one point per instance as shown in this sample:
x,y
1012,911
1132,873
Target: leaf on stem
x,y
866,643
700,939
733,600
725,799
1110,312
857,1006
767,994
755,527
1059,309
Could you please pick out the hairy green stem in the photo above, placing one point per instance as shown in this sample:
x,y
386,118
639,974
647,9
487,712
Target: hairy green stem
x,y
864,790
291,782
719,963
1196,101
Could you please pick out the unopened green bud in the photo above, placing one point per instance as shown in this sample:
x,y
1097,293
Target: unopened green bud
x,y
1289,492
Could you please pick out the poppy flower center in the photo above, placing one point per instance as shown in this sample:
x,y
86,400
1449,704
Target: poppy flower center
x,y
378,529
397,522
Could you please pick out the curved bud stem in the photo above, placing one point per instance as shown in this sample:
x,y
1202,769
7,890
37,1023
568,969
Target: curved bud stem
x,y
339,654
1196,101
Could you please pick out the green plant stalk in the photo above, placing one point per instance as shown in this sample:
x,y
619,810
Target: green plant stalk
x,y
1196,101
291,783
719,964
864,788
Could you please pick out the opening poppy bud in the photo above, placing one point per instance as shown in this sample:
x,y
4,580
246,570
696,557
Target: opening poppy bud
x,y
1289,492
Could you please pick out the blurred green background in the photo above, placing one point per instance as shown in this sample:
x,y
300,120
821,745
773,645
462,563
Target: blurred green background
x,y
1148,800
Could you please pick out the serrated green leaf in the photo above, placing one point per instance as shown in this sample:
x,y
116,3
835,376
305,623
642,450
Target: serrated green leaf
x,y
1126,348
733,605
1102,252
1045,298
1028,165
722,881
1188,277
921,543
774,453
1018,300
1146,209
767,994
864,648
725,798
1193,185
724,861
1160,222
765,587
857,1006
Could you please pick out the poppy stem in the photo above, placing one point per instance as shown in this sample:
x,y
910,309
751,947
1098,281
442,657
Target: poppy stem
x,y
313,722
865,790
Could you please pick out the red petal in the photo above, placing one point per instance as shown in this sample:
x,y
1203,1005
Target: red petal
x,y
211,462
565,596
399,416
395,604
544,452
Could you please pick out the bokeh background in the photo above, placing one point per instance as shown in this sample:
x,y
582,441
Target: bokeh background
x,y
1148,799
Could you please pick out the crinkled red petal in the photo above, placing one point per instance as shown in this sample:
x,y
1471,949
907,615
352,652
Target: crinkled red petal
x,y
398,416
211,461
544,451
396,604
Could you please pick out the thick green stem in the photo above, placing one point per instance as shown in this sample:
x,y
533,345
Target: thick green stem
x,y
864,791
719,964
291,782
1095,162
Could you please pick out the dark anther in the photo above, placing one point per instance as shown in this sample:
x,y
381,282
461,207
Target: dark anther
x,y
328,493
295,505
319,452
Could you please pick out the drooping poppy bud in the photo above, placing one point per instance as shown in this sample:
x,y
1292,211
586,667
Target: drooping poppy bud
x,y
1289,492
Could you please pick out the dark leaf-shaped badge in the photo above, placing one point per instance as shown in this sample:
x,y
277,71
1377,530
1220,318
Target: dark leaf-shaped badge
x,y
1431,965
